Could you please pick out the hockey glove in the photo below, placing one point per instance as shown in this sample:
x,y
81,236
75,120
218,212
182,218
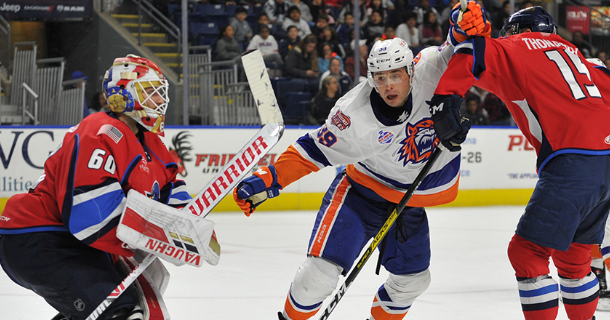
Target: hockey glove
x,y
256,189
473,23
451,129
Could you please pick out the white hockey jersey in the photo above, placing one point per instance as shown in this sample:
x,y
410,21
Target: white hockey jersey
x,y
381,154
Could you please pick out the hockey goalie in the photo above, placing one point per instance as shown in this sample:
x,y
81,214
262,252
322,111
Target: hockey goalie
x,y
108,194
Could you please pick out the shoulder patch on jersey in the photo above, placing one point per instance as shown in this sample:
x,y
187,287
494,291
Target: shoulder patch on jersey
x,y
341,120
385,137
109,130
421,140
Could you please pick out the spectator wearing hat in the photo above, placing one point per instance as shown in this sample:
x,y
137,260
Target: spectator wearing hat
x,y
294,19
81,75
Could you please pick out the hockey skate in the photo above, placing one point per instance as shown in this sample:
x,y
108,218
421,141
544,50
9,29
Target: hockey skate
x,y
604,293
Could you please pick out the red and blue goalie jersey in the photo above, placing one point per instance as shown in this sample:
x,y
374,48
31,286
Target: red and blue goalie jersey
x,y
557,98
85,182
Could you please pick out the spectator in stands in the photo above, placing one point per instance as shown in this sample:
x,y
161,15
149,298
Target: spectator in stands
x,y
291,41
526,4
578,42
363,55
374,28
318,29
377,5
98,103
396,15
276,10
336,69
276,31
324,101
227,48
344,29
389,33
269,48
601,55
349,7
409,32
81,75
424,5
501,16
241,27
294,19
495,109
330,37
430,33
335,6
444,17
318,7
305,12
474,112
302,62
325,55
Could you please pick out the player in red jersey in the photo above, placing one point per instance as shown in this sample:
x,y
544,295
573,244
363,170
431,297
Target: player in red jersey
x,y
59,239
557,100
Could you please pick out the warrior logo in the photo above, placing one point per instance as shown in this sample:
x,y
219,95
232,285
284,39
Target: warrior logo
x,y
180,151
607,140
421,140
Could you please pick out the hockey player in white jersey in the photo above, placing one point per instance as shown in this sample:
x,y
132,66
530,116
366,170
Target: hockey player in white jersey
x,y
384,132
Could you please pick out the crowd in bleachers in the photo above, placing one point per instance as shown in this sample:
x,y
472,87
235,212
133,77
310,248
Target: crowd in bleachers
x,y
303,42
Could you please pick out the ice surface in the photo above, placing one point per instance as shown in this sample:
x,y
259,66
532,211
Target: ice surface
x,y
471,275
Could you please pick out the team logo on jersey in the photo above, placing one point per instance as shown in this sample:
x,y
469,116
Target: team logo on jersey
x,y
385,137
607,140
180,151
340,120
155,192
419,143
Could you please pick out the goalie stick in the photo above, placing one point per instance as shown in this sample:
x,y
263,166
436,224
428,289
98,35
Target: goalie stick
x,y
235,170
396,213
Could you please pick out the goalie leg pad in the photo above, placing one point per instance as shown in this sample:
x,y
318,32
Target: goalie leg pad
x,y
394,298
315,280
148,289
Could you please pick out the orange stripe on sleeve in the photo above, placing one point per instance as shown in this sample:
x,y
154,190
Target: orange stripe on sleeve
x,y
395,196
291,166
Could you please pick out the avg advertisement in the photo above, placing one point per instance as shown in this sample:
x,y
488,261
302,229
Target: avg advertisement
x,y
497,165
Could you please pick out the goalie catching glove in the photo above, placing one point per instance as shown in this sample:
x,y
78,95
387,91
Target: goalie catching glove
x,y
173,235
472,23
451,129
254,190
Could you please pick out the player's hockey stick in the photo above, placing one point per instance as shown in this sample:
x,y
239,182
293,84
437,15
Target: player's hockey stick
x,y
382,232
235,170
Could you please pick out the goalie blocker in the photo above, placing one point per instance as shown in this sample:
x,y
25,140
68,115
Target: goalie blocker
x,y
173,235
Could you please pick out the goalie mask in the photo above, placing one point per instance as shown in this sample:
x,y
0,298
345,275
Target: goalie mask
x,y
136,87
389,55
